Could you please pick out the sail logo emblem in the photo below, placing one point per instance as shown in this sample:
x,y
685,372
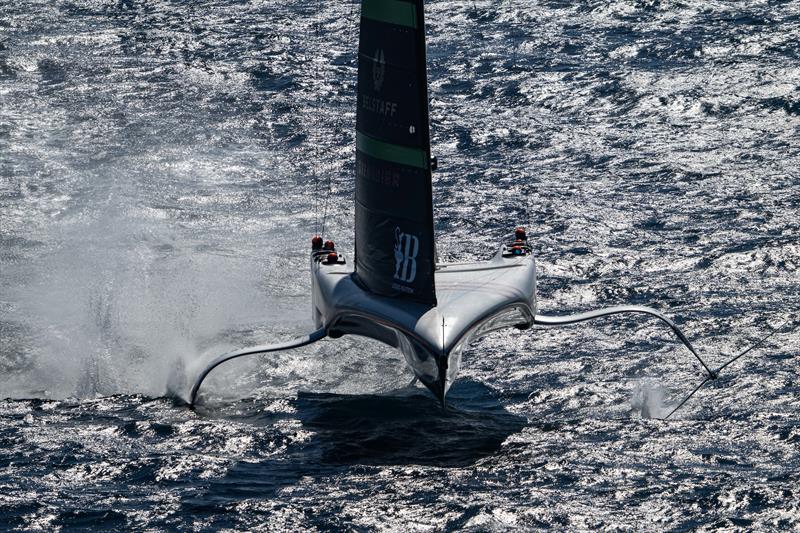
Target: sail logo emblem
x,y
406,248
378,69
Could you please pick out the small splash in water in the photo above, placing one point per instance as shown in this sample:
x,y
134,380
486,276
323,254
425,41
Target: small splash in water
x,y
647,399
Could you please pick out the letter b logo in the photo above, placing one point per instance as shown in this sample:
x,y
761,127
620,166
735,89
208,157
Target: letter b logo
x,y
406,248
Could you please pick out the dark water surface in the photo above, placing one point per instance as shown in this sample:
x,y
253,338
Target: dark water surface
x,y
163,163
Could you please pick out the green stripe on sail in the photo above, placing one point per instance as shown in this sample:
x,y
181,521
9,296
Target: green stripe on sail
x,y
413,157
391,11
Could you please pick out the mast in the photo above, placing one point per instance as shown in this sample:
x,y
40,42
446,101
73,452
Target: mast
x,y
395,248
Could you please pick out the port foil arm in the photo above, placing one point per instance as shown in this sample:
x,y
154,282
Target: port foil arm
x,y
254,350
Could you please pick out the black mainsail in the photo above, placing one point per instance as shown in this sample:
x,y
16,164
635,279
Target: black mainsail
x,y
394,208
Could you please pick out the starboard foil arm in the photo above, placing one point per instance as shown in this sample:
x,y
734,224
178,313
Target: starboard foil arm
x,y
544,320
254,350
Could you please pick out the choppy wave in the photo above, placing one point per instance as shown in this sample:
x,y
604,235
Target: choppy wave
x,y
162,165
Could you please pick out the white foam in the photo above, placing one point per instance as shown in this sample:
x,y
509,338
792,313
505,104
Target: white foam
x,y
647,399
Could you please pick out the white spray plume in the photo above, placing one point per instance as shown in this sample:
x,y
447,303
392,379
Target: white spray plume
x,y
647,399
119,304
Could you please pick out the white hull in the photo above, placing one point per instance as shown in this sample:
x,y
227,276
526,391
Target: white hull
x,y
472,299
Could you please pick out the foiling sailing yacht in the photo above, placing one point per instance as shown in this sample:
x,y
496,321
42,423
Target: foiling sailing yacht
x,y
393,290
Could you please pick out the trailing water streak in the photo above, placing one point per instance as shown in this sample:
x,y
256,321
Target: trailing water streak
x,y
394,212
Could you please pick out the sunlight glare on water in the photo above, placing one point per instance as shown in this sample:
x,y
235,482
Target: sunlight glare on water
x,y
163,164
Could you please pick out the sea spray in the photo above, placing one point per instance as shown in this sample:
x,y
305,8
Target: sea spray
x,y
117,304
647,399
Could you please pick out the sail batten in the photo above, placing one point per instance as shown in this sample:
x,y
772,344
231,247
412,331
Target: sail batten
x,y
394,208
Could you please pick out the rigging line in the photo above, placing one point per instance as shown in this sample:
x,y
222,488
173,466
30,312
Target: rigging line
x,y
318,29
328,180
792,320
527,192
314,177
354,20
515,61
316,118
314,126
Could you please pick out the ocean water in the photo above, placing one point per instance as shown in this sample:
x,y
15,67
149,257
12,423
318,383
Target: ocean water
x,y
163,164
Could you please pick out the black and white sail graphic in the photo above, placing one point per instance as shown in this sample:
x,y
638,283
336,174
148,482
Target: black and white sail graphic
x,y
394,208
